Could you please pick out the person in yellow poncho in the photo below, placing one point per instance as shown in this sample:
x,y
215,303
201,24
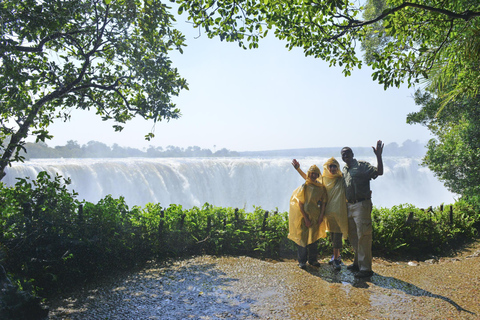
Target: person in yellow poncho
x,y
307,209
336,209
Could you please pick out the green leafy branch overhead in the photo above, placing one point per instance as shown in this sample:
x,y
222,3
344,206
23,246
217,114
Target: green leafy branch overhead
x,y
418,35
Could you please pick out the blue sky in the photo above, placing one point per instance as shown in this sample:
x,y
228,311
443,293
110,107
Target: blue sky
x,y
262,99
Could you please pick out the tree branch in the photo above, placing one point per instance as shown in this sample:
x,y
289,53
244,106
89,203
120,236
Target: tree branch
x,y
40,45
432,58
467,15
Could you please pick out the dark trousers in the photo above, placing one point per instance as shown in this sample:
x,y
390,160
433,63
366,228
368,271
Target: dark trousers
x,y
308,253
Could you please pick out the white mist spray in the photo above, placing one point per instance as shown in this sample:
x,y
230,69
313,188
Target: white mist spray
x,y
224,182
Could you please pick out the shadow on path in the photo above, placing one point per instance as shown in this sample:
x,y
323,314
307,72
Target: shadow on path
x,y
170,291
325,272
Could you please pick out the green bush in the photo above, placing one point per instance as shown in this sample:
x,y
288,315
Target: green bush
x,y
38,224
55,240
407,231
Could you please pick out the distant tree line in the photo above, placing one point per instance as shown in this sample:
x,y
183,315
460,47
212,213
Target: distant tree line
x,y
95,149
408,148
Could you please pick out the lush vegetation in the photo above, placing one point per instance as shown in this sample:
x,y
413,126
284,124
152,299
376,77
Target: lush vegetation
x,y
430,40
51,241
405,231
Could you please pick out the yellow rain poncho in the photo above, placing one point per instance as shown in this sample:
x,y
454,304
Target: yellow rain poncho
x,y
310,193
336,210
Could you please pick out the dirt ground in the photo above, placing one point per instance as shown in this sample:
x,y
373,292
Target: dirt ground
x,y
208,287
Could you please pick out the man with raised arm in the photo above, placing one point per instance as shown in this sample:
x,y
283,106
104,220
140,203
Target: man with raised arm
x,y
357,175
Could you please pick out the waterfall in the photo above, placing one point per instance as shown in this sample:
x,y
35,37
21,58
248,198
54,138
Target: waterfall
x,y
225,182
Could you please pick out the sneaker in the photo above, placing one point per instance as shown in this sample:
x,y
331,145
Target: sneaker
x,y
364,274
314,263
302,266
353,267
333,258
336,265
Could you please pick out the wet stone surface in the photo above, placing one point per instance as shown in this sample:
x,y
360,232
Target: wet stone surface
x,y
209,287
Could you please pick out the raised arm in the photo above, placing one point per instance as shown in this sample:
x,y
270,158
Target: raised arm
x,y
296,165
378,152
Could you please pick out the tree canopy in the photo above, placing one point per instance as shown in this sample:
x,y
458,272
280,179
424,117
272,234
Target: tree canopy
x,y
106,55
418,35
454,155
444,46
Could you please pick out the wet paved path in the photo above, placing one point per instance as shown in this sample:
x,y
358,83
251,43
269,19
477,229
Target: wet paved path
x,y
245,288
